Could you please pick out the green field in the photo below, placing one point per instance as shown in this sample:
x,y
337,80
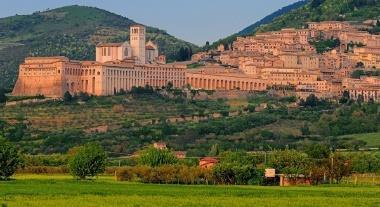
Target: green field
x,y
60,191
372,139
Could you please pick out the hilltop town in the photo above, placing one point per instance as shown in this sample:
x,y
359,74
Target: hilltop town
x,y
319,59
290,58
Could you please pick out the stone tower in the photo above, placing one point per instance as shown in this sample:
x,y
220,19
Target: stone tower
x,y
137,39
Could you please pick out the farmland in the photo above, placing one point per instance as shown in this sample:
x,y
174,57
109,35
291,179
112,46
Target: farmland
x,y
62,190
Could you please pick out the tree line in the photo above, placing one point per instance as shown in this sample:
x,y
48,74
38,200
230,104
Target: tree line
x,y
240,168
316,162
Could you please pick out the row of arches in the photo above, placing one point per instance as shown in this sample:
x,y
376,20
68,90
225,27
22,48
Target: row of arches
x,y
126,83
366,94
84,85
226,84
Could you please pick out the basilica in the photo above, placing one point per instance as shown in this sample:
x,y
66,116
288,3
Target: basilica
x,y
118,66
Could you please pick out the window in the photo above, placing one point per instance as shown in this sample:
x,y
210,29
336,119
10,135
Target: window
x,y
126,52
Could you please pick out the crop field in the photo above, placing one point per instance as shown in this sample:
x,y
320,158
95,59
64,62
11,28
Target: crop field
x,y
41,191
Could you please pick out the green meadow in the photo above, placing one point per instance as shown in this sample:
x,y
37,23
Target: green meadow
x,y
372,139
41,191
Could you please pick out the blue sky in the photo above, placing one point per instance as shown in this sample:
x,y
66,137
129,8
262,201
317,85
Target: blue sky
x,y
196,21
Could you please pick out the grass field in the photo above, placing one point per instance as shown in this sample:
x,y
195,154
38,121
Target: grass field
x,y
41,191
372,139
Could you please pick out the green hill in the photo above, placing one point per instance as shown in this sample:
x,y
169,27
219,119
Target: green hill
x,y
72,31
326,10
296,15
268,19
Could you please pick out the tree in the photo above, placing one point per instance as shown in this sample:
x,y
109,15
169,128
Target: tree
x,y
67,97
184,53
3,97
289,162
87,161
317,151
237,168
365,163
360,65
155,157
357,74
316,3
251,108
319,161
345,97
214,150
169,86
84,96
207,46
311,101
340,166
360,99
10,159
305,130
323,45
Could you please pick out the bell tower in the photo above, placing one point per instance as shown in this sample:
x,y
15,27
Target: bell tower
x,y
137,39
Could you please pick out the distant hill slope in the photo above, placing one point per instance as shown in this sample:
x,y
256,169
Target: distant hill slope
x,y
326,10
268,19
296,15
72,31
252,28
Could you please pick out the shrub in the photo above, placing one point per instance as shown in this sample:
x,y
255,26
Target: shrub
x,y
67,97
118,108
10,160
43,170
87,161
83,96
155,157
251,108
54,160
168,174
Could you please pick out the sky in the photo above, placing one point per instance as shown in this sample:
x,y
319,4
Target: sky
x,y
196,21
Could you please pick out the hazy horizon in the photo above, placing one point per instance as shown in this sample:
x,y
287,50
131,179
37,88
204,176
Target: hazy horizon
x,y
196,21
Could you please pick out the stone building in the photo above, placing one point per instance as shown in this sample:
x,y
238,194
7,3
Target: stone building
x,y
138,49
366,87
118,66
369,56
